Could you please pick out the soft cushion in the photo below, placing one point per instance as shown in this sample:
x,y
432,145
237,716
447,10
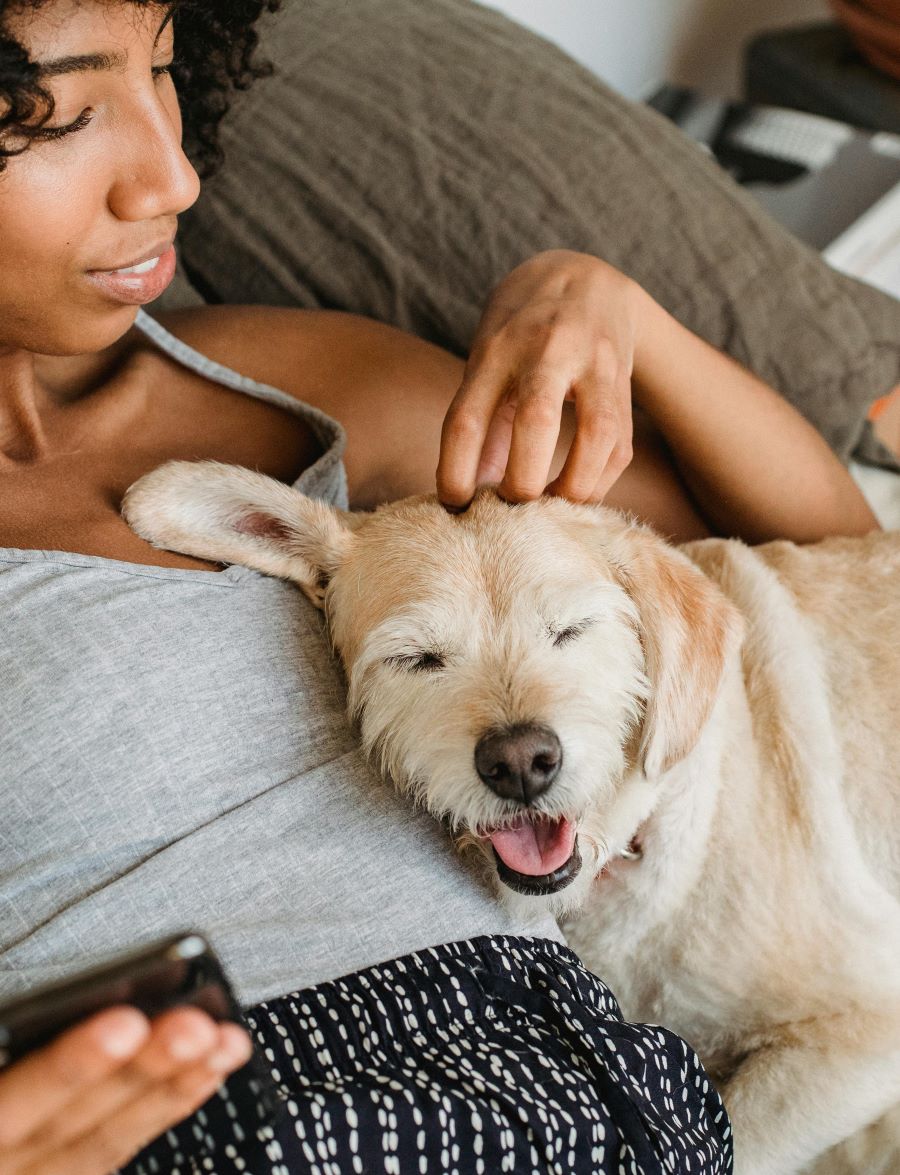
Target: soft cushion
x,y
408,153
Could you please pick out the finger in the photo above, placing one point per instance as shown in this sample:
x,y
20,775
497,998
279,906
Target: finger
x,y
622,451
179,1040
38,1087
584,464
495,450
601,449
616,464
116,1140
534,436
466,426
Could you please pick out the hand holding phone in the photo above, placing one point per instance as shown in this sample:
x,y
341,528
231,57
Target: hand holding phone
x,y
87,1101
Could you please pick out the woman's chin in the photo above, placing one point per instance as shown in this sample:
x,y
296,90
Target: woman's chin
x,y
81,332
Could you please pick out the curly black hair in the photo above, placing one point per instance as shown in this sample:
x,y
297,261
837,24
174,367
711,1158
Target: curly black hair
x,y
214,45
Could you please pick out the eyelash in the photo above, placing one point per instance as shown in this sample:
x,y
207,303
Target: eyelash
x,y
424,662
55,133
566,635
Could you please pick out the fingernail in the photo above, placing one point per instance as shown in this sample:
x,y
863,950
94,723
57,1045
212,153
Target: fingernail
x,y
454,509
223,1059
234,1048
186,1048
122,1033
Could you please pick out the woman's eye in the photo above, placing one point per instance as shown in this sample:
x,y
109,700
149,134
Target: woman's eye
x,y
51,133
563,636
423,662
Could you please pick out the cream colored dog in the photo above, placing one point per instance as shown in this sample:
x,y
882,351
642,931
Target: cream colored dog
x,y
699,750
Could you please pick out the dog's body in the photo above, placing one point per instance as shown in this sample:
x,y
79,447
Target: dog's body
x,y
699,752
763,920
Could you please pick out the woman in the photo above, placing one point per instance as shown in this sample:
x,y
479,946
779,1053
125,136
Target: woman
x,y
173,745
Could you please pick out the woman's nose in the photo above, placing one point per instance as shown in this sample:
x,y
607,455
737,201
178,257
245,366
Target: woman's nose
x,y
153,177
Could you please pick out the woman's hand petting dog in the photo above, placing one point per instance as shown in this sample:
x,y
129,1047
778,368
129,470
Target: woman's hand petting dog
x,y
90,1100
561,327
568,327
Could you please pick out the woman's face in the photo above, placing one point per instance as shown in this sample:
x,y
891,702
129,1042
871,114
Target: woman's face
x,y
102,191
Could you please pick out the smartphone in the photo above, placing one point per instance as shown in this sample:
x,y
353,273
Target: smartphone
x,y
180,970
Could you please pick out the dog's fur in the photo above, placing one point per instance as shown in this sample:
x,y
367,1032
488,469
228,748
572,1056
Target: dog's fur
x,y
733,710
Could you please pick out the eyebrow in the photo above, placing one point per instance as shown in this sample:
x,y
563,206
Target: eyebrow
x,y
82,62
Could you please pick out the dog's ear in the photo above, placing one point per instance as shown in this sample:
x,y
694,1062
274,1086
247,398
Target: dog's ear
x,y
687,629
232,515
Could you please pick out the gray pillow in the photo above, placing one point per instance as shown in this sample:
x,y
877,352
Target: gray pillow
x,y
408,153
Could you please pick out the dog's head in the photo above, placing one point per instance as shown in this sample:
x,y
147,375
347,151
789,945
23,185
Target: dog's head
x,y
527,672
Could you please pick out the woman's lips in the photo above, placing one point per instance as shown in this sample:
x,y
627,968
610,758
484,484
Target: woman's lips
x,y
136,288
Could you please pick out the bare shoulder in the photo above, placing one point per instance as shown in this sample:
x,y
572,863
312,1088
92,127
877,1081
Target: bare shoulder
x,y
387,388
310,354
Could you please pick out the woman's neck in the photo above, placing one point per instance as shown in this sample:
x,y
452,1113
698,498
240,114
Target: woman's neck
x,y
24,405
36,389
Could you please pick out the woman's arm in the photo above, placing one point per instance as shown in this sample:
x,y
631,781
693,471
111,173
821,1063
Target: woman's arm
x,y
568,327
755,467
564,327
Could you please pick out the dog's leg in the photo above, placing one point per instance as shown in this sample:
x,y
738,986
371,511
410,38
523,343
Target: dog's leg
x,y
819,1084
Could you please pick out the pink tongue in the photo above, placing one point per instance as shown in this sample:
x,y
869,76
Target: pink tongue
x,y
535,847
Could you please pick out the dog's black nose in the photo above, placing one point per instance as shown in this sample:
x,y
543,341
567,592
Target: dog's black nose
x,y
519,762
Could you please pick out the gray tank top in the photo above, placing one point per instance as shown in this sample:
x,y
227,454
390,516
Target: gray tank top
x,y
174,754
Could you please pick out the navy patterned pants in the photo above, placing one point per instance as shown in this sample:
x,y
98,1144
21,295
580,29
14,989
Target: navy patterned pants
x,y
480,1057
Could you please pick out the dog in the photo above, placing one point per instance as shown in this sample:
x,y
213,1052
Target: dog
x,y
691,755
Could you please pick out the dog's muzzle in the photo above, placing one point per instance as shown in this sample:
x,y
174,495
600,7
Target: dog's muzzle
x,y
534,854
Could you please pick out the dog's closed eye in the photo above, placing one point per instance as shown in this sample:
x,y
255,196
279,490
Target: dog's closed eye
x,y
422,661
563,636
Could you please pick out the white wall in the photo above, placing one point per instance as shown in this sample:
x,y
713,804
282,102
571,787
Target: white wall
x,y
637,44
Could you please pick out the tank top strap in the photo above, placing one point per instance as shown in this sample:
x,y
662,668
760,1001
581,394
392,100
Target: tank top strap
x,y
323,479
